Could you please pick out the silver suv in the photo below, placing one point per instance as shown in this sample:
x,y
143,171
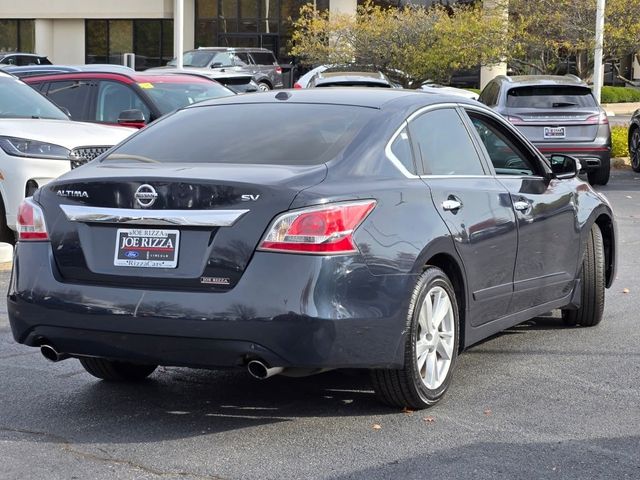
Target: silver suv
x,y
559,114
261,62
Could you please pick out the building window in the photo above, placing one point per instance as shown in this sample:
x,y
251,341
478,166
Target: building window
x,y
17,36
247,23
108,40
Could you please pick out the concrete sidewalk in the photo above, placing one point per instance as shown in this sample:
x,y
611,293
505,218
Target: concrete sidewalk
x,y
621,108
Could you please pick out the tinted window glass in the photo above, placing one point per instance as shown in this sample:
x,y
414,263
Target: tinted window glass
x,y
280,134
401,149
18,100
263,58
168,97
554,96
506,157
242,59
113,98
73,95
443,143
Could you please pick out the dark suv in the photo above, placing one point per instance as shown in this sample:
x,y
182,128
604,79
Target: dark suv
x,y
18,58
558,114
261,62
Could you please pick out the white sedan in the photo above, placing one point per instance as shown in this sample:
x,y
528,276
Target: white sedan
x,y
38,142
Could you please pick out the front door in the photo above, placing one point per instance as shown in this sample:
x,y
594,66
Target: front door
x,y
548,229
475,207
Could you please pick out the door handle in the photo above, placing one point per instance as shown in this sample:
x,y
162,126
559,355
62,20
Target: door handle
x,y
521,205
450,205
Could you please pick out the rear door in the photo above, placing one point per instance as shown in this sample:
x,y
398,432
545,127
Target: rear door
x,y
474,205
548,228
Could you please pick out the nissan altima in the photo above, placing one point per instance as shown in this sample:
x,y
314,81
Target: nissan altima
x,y
305,230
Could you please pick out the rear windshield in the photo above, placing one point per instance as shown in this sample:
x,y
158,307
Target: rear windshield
x,y
172,96
263,133
555,96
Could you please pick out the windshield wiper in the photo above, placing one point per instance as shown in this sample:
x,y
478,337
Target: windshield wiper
x,y
563,104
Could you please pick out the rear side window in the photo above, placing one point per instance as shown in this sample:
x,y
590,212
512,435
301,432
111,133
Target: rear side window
x,y
550,96
262,133
74,95
443,142
401,150
263,58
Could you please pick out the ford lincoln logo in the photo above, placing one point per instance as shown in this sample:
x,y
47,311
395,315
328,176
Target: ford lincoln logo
x,y
131,254
146,195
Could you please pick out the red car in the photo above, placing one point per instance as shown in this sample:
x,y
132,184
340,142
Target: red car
x,y
123,98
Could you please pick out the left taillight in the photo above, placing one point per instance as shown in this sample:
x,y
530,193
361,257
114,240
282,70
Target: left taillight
x,y
324,230
30,222
278,70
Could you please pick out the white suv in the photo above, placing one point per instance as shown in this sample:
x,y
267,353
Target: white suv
x,y
38,142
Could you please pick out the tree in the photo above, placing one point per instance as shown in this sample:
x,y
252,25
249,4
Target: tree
x,y
409,44
553,36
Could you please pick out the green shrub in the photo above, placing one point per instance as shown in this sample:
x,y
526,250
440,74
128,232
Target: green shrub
x,y
619,145
619,94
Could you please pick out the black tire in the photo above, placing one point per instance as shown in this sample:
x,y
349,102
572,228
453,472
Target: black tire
x,y
6,234
634,148
405,387
602,174
263,87
116,371
592,283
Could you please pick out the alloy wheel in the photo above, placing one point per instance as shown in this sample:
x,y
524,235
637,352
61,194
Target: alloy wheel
x,y
435,340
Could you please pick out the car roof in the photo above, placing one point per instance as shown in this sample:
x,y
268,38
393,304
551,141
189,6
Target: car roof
x,y
232,49
362,97
540,80
127,77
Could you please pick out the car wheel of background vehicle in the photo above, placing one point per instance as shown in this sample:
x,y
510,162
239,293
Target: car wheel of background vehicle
x,y
263,87
601,175
634,149
116,371
6,234
592,284
431,347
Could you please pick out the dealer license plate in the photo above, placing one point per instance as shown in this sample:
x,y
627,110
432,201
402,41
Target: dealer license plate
x,y
554,132
143,247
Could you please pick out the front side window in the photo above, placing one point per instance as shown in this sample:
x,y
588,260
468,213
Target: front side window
x,y
507,158
114,98
443,144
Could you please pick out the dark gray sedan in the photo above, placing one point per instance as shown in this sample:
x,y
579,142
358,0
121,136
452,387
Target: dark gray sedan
x,y
385,230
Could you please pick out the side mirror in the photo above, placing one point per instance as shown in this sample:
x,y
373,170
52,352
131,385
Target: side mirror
x,y
564,166
132,118
216,65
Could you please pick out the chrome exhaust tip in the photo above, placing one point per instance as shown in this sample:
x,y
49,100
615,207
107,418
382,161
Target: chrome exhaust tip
x,y
259,370
51,354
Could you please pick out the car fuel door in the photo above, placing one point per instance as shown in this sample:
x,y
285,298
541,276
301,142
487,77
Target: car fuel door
x,y
545,208
475,207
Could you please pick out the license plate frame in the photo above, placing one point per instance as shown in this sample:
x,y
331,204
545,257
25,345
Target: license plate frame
x,y
554,132
149,248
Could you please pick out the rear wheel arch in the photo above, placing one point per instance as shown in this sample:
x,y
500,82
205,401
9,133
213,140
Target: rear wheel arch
x,y
452,268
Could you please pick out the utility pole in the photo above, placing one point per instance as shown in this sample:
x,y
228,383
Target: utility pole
x,y
178,31
597,57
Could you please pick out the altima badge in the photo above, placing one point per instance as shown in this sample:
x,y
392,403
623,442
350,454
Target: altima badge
x,y
146,195
72,193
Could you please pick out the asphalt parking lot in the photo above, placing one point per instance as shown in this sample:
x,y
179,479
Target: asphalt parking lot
x,y
537,401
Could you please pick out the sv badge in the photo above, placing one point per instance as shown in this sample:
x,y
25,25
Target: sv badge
x,y
250,198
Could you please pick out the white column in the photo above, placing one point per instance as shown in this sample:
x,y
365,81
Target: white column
x,y
189,22
597,56
343,6
178,31
489,72
635,69
43,30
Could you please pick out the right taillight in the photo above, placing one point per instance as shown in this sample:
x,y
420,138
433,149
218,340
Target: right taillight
x,y
297,86
30,222
515,120
599,119
323,230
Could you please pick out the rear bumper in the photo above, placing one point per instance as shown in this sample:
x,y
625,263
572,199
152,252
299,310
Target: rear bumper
x,y
591,157
289,310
